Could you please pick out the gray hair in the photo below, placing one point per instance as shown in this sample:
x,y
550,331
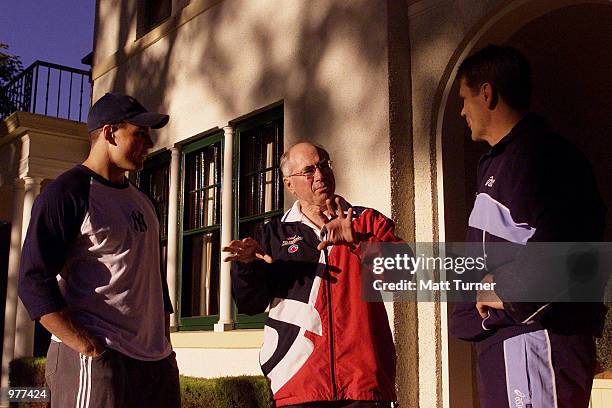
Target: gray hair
x,y
284,160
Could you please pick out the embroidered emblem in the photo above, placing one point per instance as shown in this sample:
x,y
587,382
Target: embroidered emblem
x,y
293,248
292,240
490,181
138,221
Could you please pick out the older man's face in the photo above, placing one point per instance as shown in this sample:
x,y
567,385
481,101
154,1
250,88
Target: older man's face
x,y
310,189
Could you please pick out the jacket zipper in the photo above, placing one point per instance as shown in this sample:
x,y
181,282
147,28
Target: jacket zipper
x,y
331,332
484,248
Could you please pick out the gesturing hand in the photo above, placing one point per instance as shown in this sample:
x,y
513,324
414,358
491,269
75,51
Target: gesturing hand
x,y
339,227
247,250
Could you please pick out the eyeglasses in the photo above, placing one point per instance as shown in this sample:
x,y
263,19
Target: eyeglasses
x,y
309,171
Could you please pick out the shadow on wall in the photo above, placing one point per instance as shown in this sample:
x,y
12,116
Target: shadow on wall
x,y
316,56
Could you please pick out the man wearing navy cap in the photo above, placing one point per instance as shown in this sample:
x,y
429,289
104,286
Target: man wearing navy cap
x,y
90,272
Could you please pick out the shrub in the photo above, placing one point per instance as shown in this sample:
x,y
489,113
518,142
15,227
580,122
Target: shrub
x,y
604,344
28,372
234,392
225,392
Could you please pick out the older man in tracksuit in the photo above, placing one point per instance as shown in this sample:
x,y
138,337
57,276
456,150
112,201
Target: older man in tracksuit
x,y
533,186
324,346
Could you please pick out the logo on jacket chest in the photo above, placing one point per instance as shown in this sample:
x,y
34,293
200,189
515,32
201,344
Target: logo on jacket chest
x,y
291,242
490,181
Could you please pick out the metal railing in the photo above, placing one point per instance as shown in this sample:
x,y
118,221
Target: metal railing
x,y
48,89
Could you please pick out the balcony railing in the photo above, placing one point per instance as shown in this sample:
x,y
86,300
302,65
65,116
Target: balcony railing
x,y
48,89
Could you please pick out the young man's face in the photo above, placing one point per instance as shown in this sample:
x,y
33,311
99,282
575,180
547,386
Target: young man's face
x,y
310,189
130,146
475,110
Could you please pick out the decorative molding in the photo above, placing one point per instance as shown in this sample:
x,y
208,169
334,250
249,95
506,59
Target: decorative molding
x,y
47,146
45,168
20,122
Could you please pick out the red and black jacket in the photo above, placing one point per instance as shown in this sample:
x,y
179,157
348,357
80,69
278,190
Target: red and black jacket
x,y
322,342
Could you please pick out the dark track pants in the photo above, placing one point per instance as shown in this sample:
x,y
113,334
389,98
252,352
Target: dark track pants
x,y
537,370
111,380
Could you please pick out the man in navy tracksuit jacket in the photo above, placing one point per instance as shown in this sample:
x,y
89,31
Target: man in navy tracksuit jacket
x,y
533,186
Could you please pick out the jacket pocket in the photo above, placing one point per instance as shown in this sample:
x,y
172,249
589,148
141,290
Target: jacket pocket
x,y
52,360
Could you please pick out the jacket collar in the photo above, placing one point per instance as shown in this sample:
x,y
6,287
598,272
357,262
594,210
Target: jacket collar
x,y
530,120
295,214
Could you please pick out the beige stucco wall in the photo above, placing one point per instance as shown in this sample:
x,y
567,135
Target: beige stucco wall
x,y
326,60
226,354
436,30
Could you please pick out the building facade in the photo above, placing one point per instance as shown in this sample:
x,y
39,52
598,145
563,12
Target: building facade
x,y
373,82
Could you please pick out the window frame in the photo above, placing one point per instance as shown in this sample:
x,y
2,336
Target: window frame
x,y
157,159
144,23
193,323
243,321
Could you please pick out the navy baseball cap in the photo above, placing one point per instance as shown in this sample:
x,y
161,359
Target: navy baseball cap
x,y
115,108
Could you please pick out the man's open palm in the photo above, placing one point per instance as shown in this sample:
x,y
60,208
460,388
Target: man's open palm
x,y
247,250
339,227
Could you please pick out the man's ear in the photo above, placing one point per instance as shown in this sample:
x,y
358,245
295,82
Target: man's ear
x,y
488,95
108,133
289,184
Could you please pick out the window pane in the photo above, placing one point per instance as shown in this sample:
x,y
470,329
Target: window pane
x,y
157,11
154,180
200,278
252,228
163,256
260,181
202,187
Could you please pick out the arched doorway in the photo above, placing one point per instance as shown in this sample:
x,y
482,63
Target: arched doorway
x,y
569,46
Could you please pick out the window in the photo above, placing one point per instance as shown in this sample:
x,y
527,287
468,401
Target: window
x,y
154,180
200,259
152,13
259,181
260,186
257,187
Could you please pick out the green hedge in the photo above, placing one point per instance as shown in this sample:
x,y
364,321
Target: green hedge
x,y
225,392
28,372
604,344
234,392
